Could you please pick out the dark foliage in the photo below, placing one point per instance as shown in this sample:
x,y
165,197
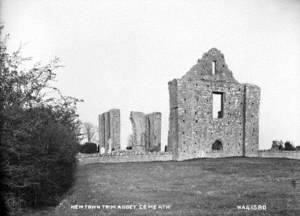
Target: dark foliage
x,y
39,134
89,148
288,146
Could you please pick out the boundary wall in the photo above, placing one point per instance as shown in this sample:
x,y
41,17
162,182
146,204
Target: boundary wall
x,y
121,157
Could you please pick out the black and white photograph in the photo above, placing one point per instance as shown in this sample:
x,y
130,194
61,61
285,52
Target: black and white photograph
x,y
150,107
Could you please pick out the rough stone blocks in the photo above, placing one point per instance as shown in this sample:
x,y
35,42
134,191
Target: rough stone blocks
x,y
109,130
193,125
146,131
139,130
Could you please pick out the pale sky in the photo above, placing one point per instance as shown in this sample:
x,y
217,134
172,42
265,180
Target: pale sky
x,y
121,54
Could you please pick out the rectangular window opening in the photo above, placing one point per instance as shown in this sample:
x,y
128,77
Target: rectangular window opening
x,y
218,105
213,66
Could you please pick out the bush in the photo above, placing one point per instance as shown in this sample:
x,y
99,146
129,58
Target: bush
x,y
89,148
39,135
288,146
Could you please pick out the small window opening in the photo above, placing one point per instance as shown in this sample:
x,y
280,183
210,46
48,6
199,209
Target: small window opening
x,y
213,65
218,107
217,145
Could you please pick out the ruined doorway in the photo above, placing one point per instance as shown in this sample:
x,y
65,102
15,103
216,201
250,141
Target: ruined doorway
x,y
217,145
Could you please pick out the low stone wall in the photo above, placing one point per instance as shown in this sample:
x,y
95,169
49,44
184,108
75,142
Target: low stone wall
x,y
279,154
121,157
135,156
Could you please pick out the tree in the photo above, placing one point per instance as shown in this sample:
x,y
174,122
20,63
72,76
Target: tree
x,y
39,133
288,146
89,131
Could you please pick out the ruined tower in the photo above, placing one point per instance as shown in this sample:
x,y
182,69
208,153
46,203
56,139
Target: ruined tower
x,y
211,113
146,131
109,130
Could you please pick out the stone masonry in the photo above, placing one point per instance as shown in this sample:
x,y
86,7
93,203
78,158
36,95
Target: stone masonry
x,y
109,130
194,131
146,131
139,129
153,131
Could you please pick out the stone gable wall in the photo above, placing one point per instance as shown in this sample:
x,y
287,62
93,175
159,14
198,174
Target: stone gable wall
x,y
192,127
198,130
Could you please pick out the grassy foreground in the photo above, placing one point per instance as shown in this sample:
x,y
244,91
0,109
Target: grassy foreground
x,y
196,187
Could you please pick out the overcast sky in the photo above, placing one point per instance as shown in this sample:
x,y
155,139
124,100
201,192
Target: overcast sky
x,y
121,54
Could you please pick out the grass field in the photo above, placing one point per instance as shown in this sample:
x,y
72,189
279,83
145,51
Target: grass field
x,y
196,187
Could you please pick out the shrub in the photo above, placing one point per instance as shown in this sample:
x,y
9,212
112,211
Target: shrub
x,y
39,134
288,146
89,148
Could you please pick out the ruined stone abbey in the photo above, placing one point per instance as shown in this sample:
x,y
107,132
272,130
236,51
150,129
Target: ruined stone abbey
x,y
211,115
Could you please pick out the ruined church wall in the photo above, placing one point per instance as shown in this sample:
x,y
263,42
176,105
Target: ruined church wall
x,y
101,128
252,98
198,130
109,129
139,130
173,119
192,127
114,115
153,131
146,131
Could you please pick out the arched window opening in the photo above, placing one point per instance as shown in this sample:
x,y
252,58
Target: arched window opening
x,y
217,145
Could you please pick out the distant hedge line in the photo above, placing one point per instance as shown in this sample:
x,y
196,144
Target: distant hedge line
x,y
88,148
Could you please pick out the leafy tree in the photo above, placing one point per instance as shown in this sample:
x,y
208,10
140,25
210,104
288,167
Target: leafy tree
x,y
39,133
288,146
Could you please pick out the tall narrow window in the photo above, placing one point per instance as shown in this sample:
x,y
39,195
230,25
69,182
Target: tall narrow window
x,y
213,66
218,109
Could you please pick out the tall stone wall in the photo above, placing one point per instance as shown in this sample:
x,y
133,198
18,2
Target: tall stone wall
x,y
251,136
107,137
153,131
101,128
173,119
115,129
109,130
139,130
146,131
192,128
